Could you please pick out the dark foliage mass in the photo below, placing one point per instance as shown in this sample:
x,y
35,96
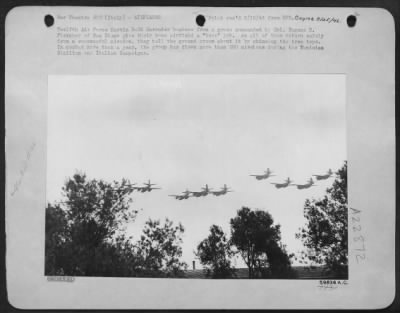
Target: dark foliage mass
x,y
255,238
258,241
159,250
85,234
325,232
214,253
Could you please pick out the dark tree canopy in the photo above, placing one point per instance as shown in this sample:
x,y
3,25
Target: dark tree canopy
x,y
325,232
214,253
257,240
84,231
159,249
85,234
57,237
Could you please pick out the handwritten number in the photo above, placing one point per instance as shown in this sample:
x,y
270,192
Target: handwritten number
x,y
360,257
355,211
359,238
363,248
357,229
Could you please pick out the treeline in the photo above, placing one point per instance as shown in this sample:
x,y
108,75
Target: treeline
x,y
86,236
325,233
255,238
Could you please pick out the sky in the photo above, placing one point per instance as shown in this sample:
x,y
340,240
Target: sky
x,y
185,131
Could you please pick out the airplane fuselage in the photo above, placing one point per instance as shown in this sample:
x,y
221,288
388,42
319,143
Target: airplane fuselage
x,y
264,176
200,194
219,193
283,185
180,197
144,189
321,177
304,186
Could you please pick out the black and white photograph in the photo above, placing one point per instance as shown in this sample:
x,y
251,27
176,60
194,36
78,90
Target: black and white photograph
x,y
182,157
197,176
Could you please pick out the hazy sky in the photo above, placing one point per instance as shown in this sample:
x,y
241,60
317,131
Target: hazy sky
x,y
185,131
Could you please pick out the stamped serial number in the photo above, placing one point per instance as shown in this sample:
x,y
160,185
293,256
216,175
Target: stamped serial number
x,y
68,279
332,284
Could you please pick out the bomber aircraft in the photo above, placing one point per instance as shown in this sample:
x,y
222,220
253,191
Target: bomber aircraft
x,y
324,176
285,184
224,190
205,191
127,188
184,195
309,184
266,175
147,187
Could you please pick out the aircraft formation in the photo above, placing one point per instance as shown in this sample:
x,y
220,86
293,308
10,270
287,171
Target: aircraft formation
x,y
147,187
288,182
205,191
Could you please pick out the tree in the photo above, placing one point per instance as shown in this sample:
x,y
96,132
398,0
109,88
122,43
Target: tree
x,y
325,232
257,240
279,264
55,239
214,253
84,232
159,249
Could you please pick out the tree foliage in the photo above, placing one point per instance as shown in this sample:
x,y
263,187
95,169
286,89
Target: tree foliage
x,y
214,253
86,233
257,239
159,249
57,237
325,232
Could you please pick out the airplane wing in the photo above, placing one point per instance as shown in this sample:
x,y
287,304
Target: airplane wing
x,y
318,177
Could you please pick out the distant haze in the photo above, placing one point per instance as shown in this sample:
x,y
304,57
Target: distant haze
x,y
185,131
